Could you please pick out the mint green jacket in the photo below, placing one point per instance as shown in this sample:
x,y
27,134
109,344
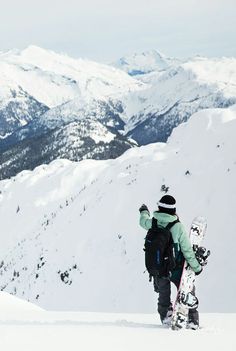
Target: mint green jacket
x,y
179,235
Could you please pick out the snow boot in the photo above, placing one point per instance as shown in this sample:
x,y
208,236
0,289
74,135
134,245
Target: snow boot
x,y
193,320
167,320
192,326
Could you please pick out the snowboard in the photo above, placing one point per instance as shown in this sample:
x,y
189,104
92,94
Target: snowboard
x,y
185,299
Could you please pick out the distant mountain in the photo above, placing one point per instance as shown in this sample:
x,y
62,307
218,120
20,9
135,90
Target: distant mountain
x,y
145,62
54,78
77,140
105,111
70,238
17,108
178,92
50,79
36,81
42,91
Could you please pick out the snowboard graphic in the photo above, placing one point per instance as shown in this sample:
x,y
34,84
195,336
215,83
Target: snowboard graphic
x,y
185,299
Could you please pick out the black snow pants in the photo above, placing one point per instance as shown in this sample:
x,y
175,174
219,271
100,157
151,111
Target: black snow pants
x,y
163,287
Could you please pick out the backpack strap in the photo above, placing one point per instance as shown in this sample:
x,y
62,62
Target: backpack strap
x,y
171,224
154,223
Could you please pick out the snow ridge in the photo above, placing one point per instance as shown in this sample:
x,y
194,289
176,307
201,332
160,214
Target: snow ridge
x,y
76,224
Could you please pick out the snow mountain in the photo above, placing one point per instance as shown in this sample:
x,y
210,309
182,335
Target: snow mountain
x,y
17,108
78,140
54,79
35,81
140,64
178,92
42,93
76,243
50,80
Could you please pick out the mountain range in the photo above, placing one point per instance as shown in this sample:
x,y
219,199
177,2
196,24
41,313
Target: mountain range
x,y
48,100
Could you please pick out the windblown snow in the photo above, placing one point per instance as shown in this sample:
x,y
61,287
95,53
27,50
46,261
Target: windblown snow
x,y
70,238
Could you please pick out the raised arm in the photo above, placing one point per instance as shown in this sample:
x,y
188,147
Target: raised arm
x,y
145,221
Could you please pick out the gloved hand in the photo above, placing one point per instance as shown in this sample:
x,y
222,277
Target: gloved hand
x,y
143,208
202,255
199,272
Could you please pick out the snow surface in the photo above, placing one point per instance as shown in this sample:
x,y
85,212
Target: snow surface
x,y
12,304
42,330
32,329
70,237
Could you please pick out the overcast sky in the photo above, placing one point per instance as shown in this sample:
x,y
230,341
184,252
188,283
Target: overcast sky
x,y
104,30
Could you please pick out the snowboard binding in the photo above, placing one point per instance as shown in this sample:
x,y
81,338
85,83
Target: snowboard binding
x,y
189,300
202,255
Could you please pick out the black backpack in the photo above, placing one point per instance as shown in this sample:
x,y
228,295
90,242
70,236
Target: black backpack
x,y
159,250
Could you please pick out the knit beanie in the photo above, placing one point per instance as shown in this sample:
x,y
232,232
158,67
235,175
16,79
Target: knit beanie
x,y
167,204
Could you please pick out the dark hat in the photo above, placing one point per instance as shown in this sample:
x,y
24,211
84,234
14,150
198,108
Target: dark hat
x,y
167,204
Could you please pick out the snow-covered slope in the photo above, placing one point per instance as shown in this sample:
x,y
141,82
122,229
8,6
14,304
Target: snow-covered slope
x,y
69,231
14,305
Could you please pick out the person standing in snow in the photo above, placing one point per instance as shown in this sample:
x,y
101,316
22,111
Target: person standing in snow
x,y
183,251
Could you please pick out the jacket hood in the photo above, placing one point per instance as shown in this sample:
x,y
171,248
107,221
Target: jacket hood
x,y
164,218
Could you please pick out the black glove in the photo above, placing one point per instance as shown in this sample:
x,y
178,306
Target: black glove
x,y
202,255
199,272
143,208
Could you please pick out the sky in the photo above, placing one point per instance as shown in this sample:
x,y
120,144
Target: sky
x,y
105,30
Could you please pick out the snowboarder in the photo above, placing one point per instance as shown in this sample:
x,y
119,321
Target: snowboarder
x,y
183,251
